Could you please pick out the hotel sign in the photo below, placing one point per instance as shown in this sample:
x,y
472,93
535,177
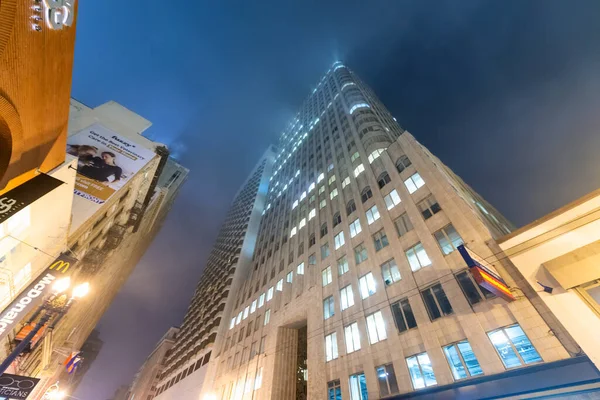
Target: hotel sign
x,y
485,274
20,197
32,295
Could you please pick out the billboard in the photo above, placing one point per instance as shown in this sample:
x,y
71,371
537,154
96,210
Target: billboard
x,y
106,162
16,387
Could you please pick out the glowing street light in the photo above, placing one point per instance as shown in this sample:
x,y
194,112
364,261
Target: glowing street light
x,y
81,290
61,285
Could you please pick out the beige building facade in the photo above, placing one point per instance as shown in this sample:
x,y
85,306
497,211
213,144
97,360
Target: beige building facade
x,y
561,252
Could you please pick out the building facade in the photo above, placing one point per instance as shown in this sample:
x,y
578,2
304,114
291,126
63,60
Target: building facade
x,y
561,254
145,383
357,289
225,270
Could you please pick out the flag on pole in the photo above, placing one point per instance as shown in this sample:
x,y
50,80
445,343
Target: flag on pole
x,y
73,361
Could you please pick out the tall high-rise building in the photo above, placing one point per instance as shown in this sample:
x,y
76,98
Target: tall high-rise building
x,y
226,268
368,278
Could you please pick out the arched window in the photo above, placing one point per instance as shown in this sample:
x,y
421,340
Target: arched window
x,y
402,163
350,207
337,219
366,194
324,229
383,179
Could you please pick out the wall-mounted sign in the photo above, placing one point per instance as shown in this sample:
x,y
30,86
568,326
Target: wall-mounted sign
x,y
485,274
34,293
20,197
55,13
16,387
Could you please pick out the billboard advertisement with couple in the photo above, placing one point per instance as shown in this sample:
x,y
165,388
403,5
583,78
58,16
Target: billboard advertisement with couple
x,y
106,162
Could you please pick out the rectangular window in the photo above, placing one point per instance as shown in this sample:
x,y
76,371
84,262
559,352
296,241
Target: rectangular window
x,y
253,307
387,380
331,347
320,177
352,336
328,308
267,316
358,387
392,199
300,269
421,371
239,318
376,327
327,276
380,239
472,291
324,251
436,302
462,360
339,240
258,379
403,224
372,215
312,259
322,204
246,312
346,182
279,286
312,214
333,193
360,253
293,232
390,272
448,239
261,348
417,257
429,206
261,300
290,277
346,297
513,346
403,315
334,390
367,285
358,170
294,204
331,179
321,189
270,293
355,228
414,182
232,323
302,223
342,266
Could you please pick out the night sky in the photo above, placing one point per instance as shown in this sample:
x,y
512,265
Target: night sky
x,y
506,93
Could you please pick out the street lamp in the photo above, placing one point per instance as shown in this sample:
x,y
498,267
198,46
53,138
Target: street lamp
x,y
50,309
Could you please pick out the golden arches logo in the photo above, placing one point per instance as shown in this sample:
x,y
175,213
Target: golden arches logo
x,y
61,266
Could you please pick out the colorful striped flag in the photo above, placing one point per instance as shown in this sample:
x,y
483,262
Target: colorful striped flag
x,y
73,361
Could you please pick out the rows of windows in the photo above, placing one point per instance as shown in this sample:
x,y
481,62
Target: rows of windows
x,y
512,346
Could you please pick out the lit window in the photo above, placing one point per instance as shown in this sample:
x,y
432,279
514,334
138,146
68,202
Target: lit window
x,y
330,167
328,308
290,277
358,106
372,214
339,240
334,390
345,85
352,336
333,193
375,155
311,199
279,286
360,253
232,323
324,251
346,297
414,182
514,347
293,232
367,285
390,272
238,319
320,177
258,379
354,156
462,360
342,266
345,182
387,380
246,312
302,196
421,371
392,199
358,387
312,214
355,228
331,348
376,327
261,300
302,223
267,317
326,276
270,293
403,315
311,187
436,302
294,204
417,257
448,239
300,269
360,168
322,204
331,179
321,189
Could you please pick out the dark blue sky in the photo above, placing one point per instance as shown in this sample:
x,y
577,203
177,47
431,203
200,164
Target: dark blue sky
x,y
505,93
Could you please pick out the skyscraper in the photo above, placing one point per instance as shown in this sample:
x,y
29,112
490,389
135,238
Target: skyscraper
x,y
369,276
226,267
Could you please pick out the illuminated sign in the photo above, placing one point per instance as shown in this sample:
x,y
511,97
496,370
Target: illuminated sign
x,y
55,13
16,387
485,274
20,197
